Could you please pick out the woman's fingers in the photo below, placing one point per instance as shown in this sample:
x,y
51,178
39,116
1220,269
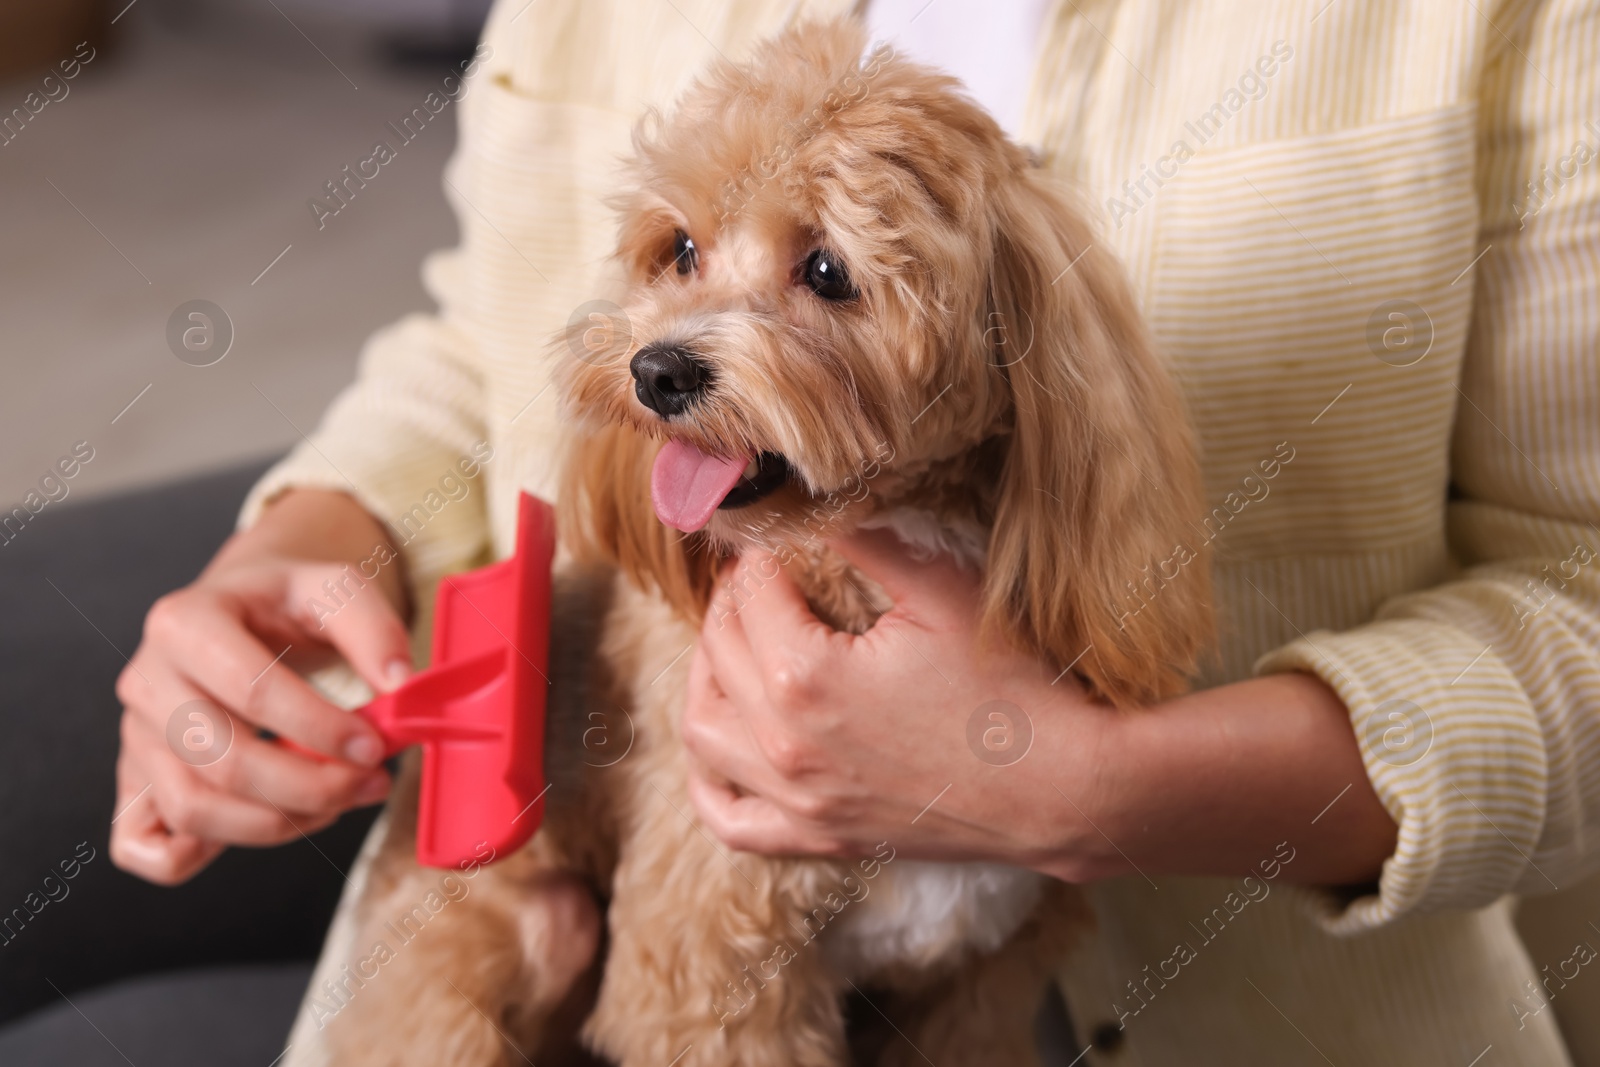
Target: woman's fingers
x,y
716,734
921,588
142,844
254,768
211,673
768,650
764,639
205,636
361,624
756,592
178,806
733,764
157,855
724,659
188,803
751,823
226,752
174,824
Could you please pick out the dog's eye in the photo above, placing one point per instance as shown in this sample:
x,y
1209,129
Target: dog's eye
x,y
826,276
684,254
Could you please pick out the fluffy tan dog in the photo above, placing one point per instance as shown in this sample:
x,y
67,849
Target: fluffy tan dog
x,y
852,301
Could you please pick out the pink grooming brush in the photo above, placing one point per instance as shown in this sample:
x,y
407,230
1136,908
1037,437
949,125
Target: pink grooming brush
x,y
478,711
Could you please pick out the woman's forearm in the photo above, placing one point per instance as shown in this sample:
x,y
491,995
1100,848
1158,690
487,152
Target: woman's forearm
x,y
1212,782
995,756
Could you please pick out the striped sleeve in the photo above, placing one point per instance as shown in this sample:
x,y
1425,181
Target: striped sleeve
x,y
1477,703
407,431
410,432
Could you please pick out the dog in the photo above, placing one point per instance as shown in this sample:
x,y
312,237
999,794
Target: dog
x,y
850,301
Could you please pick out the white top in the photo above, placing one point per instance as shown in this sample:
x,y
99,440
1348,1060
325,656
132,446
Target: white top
x,y
989,45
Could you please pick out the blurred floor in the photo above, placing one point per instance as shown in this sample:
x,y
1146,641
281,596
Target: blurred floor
x,y
178,167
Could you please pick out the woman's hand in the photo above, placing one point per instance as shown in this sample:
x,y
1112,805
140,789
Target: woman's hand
x,y
819,742
216,661
809,741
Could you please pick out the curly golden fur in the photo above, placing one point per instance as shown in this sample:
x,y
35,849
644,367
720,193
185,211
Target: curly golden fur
x,y
986,386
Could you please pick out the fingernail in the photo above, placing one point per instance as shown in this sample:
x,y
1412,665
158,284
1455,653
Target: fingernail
x,y
363,750
397,671
373,790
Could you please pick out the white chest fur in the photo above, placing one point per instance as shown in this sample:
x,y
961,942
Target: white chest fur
x,y
925,913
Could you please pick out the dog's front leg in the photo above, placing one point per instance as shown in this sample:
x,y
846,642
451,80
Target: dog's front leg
x,y
472,967
711,959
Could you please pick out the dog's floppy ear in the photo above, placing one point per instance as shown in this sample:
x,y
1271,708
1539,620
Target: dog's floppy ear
x,y
1093,559
606,517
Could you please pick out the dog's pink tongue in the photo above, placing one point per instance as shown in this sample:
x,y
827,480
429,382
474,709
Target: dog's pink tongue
x,y
686,485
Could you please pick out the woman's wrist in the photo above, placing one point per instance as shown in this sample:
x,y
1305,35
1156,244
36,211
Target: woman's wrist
x,y
1213,782
1068,784
318,525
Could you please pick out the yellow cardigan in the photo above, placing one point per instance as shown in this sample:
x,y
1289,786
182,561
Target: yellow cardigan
x,y
1367,233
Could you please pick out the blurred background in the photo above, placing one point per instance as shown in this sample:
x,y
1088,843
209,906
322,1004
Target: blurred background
x,y
177,166
154,154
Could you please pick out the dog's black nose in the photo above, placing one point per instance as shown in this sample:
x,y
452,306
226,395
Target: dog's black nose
x,y
667,377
